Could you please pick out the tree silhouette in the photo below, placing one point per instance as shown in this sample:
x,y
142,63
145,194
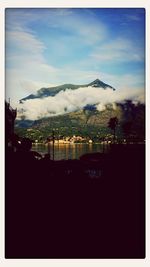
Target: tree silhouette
x,y
126,127
112,124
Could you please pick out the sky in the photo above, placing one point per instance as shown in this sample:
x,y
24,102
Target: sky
x,y
47,47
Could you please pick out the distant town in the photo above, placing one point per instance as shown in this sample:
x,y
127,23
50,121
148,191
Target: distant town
x,y
73,139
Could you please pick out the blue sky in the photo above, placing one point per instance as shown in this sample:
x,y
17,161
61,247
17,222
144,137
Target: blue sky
x,y
46,47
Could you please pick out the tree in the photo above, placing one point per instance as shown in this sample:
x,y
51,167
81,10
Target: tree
x,y
126,127
112,124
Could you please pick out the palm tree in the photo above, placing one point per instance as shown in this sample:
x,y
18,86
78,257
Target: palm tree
x,y
112,124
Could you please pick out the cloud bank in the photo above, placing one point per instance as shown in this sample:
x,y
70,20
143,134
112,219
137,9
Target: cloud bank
x,y
73,100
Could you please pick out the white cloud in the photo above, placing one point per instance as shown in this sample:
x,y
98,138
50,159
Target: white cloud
x,y
119,50
24,41
132,17
84,26
25,65
22,82
30,77
72,100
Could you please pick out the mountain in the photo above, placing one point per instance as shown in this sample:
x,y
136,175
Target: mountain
x,y
88,122
52,91
84,120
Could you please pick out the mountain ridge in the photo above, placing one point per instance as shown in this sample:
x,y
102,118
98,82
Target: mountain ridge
x,y
52,91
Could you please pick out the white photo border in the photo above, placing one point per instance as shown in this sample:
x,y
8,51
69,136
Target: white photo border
x,y
72,4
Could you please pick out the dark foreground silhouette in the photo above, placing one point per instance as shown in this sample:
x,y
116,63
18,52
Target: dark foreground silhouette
x,y
88,208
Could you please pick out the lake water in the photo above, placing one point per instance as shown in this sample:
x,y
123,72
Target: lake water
x,y
68,151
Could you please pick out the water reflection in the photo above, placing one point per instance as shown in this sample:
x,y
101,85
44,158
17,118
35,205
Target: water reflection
x,y
68,151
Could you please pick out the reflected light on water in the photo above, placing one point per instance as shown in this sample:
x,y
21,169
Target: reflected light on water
x,y
67,151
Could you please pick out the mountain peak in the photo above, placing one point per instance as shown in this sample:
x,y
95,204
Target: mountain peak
x,y
96,81
99,83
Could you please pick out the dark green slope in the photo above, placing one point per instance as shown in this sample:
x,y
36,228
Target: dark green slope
x,y
87,122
